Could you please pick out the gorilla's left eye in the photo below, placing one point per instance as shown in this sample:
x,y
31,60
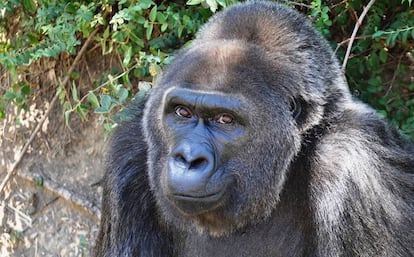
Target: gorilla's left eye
x,y
183,111
224,119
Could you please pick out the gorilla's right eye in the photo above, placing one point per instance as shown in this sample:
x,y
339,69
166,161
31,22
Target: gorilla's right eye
x,y
183,111
224,119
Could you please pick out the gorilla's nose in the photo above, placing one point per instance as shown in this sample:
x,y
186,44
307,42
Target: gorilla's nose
x,y
190,167
192,162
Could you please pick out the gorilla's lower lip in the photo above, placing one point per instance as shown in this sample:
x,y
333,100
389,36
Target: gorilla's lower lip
x,y
209,197
196,204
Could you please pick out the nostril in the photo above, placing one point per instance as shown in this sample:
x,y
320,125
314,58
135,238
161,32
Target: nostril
x,y
181,161
198,163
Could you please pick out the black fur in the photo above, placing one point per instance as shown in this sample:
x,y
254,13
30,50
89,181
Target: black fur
x,y
311,171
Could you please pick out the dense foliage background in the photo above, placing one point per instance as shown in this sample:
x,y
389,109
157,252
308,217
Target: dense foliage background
x,y
141,36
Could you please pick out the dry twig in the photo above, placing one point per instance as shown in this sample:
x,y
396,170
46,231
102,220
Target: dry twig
x,y
21,215
78,200
351,41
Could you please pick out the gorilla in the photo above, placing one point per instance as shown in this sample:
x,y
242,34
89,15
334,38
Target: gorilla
x,y
251,144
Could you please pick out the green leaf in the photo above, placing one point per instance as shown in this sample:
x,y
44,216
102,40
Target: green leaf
x,y
30,6
67,116
75,92
180,31
222,3
25,90
383,113
62,93
404,36
118,36
390,41
378,34
75,75
141,20
106,33
122,95
82,241
106,101
194,2
67,106
153,14
383,56
108,127
164,27
213,5
327,22
2,114
127,56
373,61
125,79
9,96
39,181
149,31
93,100
101,110
81,112
161,17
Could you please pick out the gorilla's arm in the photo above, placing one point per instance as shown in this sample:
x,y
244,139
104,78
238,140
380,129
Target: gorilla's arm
x,y
130,223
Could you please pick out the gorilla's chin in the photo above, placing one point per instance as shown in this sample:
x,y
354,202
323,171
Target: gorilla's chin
x,y
196,204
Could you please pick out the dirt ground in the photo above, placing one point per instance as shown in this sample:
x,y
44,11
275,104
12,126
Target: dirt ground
x,y
51,205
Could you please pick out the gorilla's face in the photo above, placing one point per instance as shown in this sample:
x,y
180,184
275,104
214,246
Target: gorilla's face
x,y
221,134
204,131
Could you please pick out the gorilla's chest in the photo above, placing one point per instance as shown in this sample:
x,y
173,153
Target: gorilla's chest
x,y
264,240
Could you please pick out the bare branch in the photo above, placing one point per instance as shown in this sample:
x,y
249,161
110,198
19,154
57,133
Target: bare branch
x,y
351,41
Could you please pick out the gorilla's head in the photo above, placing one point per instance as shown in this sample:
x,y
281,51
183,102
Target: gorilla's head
x,y
230,113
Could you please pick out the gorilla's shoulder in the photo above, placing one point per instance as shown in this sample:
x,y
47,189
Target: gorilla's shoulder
x,y
359,133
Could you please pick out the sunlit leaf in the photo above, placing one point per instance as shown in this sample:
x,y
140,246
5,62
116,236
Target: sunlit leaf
x,y
149,30
127,56
81,112
194,2
67,116
153,14
93,100
75,92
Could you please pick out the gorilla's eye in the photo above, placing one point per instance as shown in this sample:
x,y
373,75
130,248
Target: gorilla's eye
x,y
183,111
224,119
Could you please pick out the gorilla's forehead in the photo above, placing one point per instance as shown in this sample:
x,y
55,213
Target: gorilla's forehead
x,y
223,52
216,64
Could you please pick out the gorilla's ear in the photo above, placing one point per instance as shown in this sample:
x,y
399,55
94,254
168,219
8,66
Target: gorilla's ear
x,y
296,108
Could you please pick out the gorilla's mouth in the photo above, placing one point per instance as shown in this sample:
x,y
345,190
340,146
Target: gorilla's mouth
x,y
197,204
